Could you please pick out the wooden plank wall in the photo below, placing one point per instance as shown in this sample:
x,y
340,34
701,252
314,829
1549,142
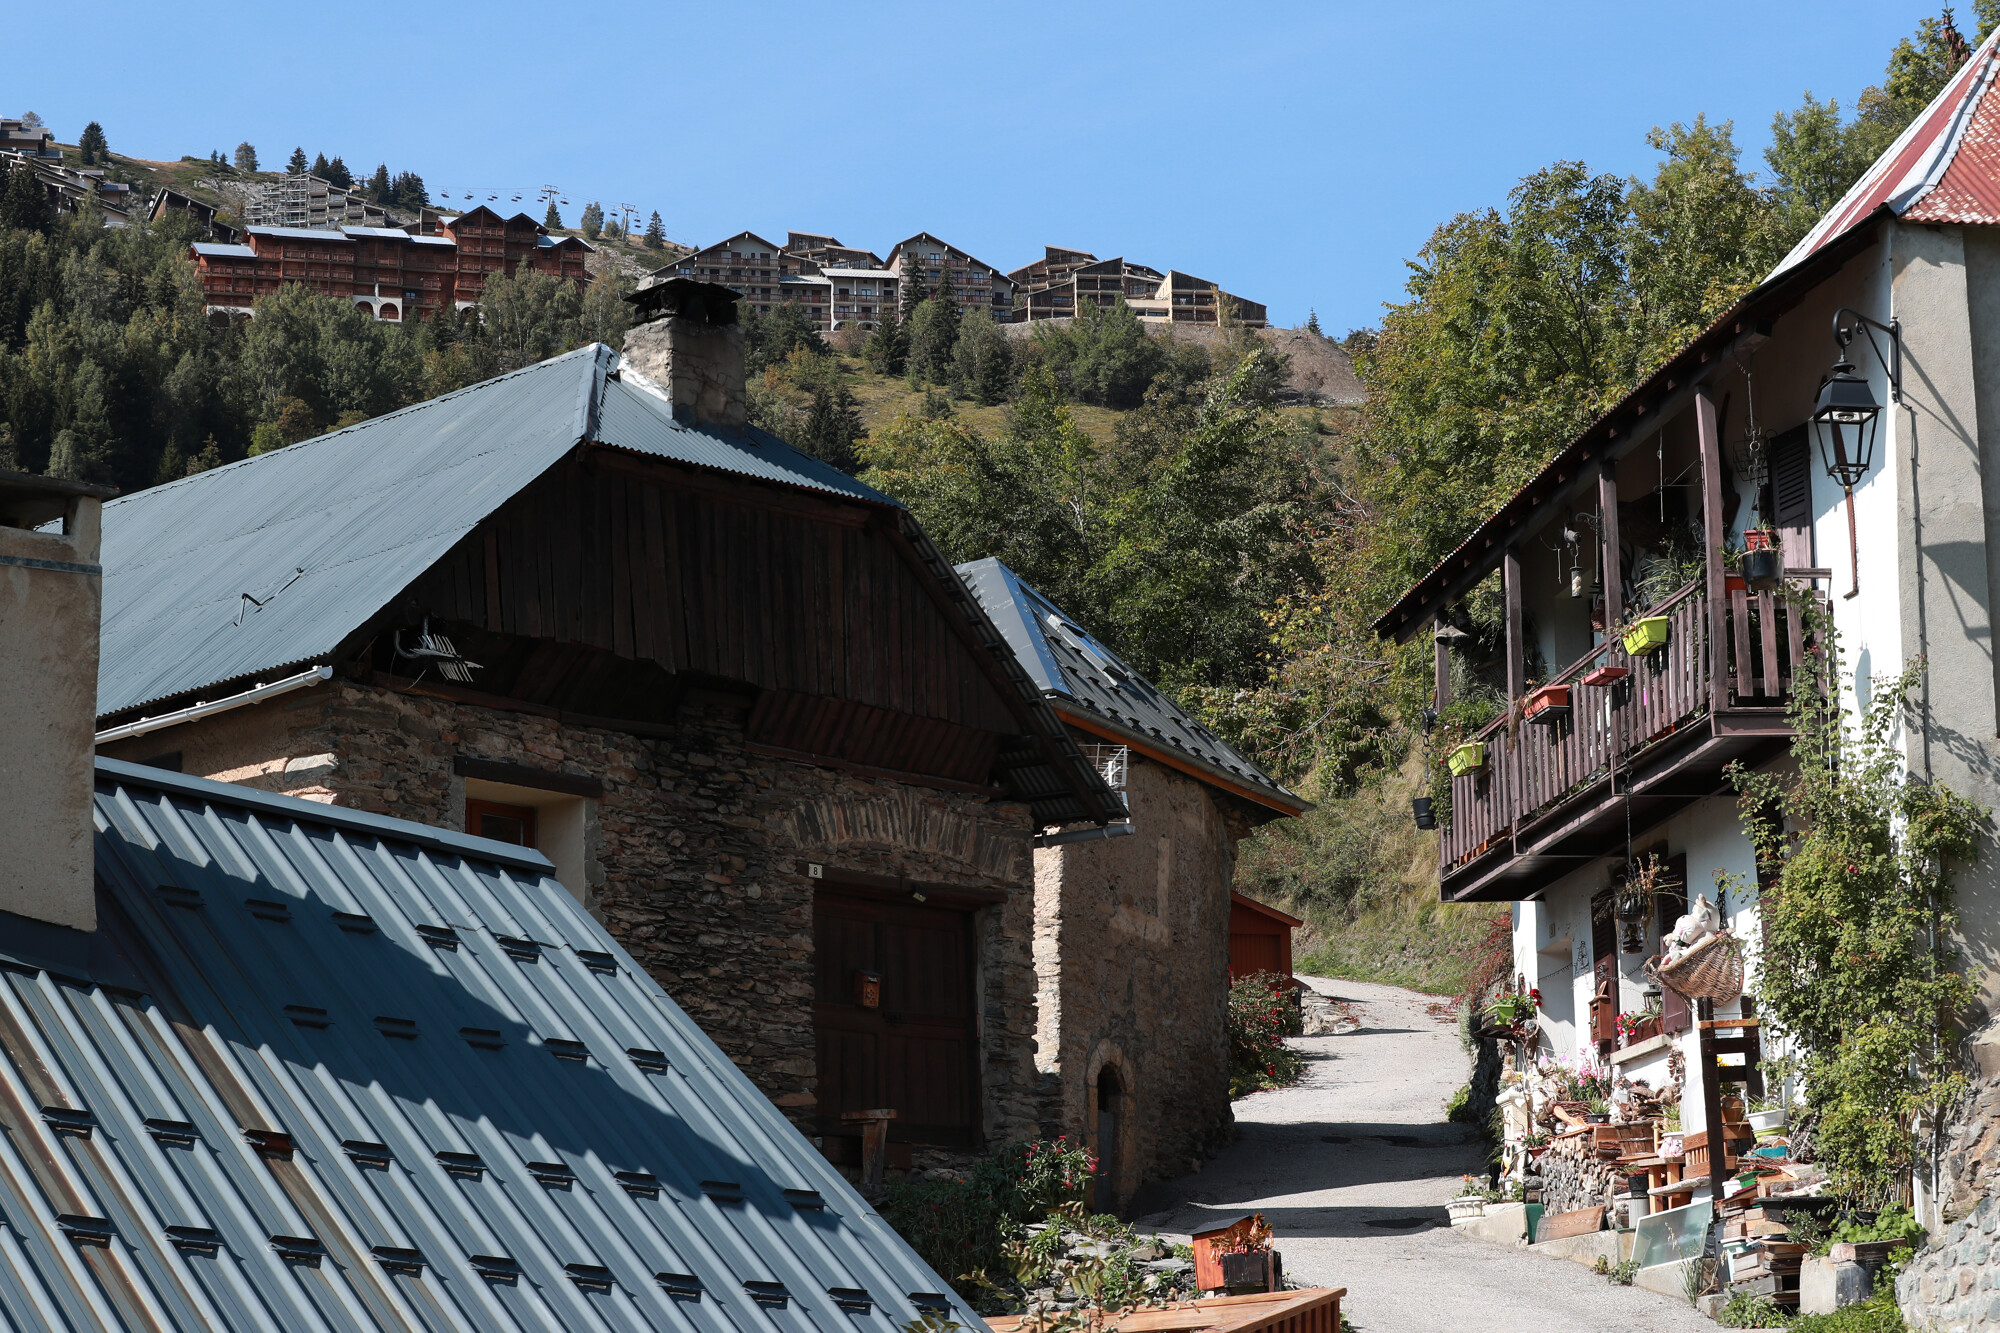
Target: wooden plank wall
x,y
727,580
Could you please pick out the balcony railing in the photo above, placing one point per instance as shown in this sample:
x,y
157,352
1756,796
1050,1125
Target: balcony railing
x,y
1657,715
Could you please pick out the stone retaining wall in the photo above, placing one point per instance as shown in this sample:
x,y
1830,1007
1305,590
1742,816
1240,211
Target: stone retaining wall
x,y
1954,1285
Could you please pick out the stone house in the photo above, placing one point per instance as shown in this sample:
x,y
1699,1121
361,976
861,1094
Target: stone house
x,y
1133,1051
737,698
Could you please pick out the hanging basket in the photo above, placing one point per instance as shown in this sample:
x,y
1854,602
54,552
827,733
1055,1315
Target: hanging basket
x,y
1710,970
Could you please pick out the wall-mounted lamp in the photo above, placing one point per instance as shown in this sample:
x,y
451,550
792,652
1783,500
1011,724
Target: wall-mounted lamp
x,y
1846,419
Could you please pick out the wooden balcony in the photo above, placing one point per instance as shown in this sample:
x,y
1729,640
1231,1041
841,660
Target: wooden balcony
x,y
1553,796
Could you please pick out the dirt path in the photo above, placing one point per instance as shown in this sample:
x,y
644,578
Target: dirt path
x,y
1352,1169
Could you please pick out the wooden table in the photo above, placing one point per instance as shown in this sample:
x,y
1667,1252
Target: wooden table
x,y
1310,1310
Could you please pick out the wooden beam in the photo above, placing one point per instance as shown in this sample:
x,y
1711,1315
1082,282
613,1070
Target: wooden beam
x,y
1610,567
1709,446
1517,661
1441,666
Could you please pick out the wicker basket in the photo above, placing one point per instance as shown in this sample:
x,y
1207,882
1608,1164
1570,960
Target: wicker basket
x,y
1711,970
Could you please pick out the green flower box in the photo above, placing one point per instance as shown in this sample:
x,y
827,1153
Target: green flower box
x,y
1466,758
1646,636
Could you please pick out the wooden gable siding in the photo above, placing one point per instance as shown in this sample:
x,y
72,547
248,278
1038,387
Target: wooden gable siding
x,y
807,600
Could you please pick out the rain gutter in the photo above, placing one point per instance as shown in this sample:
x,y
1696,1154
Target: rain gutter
x,y
304,680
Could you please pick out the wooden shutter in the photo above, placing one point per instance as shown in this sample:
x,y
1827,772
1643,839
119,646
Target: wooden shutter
x,y
1791,497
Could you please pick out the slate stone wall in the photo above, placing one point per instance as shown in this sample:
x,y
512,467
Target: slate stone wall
x,y
1954,1284
1132,952
697,853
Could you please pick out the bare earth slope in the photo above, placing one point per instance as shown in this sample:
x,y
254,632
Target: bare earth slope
x,y
1352,1169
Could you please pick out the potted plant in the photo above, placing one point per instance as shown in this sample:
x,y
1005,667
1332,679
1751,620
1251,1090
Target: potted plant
x,y
1547,705
1596,1111
1535,1143
1466,758
1646,635
1514,1010
1763,561
1638,1027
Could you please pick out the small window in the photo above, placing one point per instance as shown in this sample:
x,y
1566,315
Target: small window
x,y
500,822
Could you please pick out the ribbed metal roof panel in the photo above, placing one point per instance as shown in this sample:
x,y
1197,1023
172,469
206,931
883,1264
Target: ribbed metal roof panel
x,y
1065,661
316,1071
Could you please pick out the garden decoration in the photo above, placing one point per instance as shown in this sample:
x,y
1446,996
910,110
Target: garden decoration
x,y
1467,758
1645,636
1763,562
1548,705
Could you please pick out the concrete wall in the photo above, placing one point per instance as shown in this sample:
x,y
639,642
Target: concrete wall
x,y
49,600
699,849
1132,951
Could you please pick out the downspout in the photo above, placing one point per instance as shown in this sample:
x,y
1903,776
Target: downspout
x,y
304,680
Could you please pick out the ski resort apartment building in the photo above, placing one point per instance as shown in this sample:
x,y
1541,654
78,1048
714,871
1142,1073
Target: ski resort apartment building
x,y
1605,756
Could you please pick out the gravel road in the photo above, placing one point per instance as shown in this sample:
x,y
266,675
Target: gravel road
x,y
1352,1168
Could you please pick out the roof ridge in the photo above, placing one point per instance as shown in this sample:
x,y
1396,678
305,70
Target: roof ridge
x,y
395,414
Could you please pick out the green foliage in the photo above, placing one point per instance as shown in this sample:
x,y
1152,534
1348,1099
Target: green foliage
x,y
1877,1314
656,233
887,350
962,1227
90,145
246,156
1458,1108
1103,356
24,204
552,219
832,428
1894,1222
770,339
982,361
1854,970
1258,1056
933,341
592,221
1751,1310
296,165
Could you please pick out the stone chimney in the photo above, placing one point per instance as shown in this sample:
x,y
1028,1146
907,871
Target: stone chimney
x,y
692,347
50,590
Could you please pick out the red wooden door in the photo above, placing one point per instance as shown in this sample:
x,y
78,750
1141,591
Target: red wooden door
x,y
916,1051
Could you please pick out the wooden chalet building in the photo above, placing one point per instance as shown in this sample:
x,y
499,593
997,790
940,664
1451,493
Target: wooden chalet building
x,y
395,274
737,697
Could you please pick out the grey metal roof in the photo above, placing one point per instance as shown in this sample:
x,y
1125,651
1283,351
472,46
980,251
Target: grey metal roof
x,y
274,560
322,1070
299,233
385,233
1063,659
228,251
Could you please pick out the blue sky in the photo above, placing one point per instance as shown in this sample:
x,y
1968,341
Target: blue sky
x,y
1298,154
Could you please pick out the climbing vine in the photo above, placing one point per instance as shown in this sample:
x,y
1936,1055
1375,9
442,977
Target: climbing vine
x,y
1855,971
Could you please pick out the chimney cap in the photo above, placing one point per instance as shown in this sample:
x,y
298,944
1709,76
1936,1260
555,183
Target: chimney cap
x,y
709,302
28,500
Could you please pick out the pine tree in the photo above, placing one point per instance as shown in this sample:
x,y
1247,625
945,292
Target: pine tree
x,y
23,201
337,175
656,234
887,348
1312,324
320,166
552,220
297,165
833,424
90,145
380,188
592,220
246,156
408,190
914,292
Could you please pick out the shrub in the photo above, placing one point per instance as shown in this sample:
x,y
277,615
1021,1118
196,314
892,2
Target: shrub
x,y
1458,1106
1258,1056
1748,1310
1877,1314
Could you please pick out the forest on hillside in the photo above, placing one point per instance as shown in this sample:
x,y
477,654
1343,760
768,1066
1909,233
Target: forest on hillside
x,y
1230,544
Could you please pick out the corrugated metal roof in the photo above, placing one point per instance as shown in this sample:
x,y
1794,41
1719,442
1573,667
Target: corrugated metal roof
x,y
323,1070
1940,169
230,251
274,560
386,233
299,233
1066,662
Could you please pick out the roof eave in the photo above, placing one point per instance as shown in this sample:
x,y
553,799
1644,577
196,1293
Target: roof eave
x,y
1276,798
1659,395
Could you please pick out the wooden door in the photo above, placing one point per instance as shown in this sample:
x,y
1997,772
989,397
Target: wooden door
x,y
915,1051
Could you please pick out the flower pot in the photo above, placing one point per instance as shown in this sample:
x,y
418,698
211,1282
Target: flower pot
x,y
1762,1121
1646,636
1548,705
1597,1117
1760,539
1258,1270
1733,583
1465,1208
1420,806
1764,570
1466,758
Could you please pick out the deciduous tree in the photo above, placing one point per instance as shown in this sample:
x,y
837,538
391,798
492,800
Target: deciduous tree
x,y
246,156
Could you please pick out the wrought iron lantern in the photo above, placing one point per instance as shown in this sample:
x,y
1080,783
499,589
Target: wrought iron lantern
x,y
1847,417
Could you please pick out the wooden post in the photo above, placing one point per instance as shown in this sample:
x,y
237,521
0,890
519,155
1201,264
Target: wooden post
x,y
1609,566
1517,660
1712,523
1442,667
874,1143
